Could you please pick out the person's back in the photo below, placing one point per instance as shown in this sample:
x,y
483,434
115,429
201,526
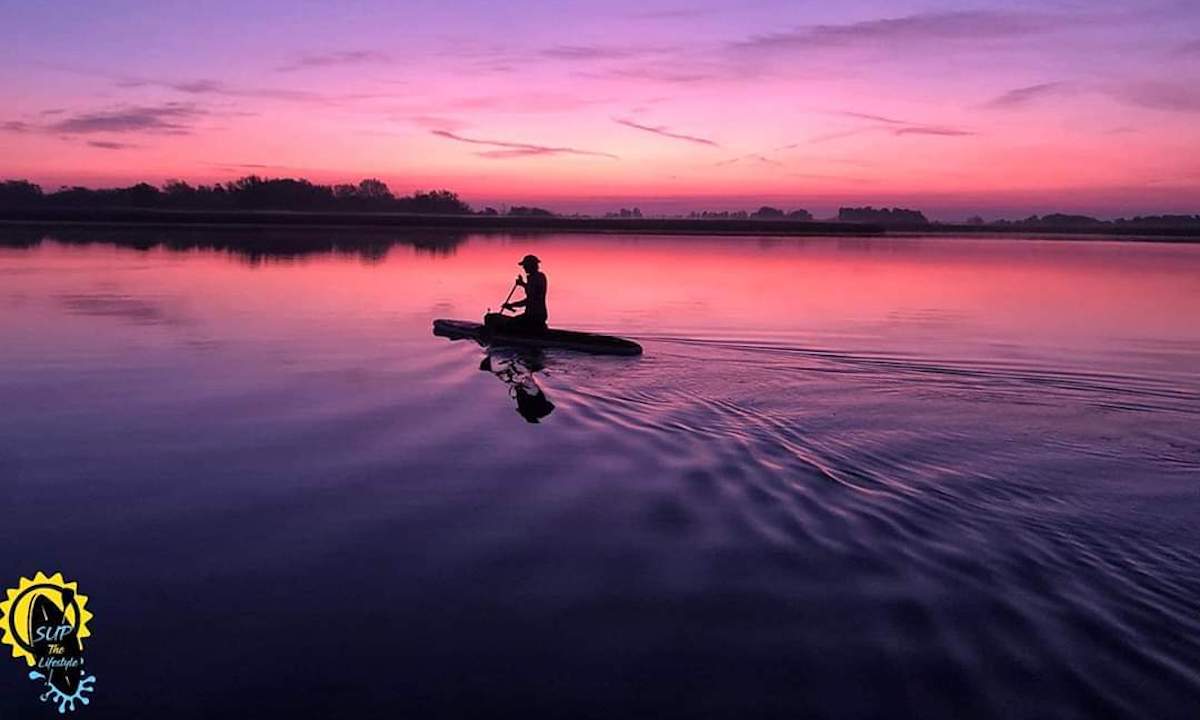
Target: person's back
x,y
535,297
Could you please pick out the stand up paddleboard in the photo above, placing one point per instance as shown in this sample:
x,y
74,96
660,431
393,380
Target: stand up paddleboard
x,y
551,338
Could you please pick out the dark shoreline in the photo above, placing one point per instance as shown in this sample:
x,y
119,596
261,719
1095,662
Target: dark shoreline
x,y
480,223
505,223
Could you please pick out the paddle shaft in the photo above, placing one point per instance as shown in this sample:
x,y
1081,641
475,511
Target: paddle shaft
x,y
510,294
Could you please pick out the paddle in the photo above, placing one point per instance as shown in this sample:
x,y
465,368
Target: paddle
x,y
502,306
510,294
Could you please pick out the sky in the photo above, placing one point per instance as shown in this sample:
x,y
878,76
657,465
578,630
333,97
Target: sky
x,y
989,107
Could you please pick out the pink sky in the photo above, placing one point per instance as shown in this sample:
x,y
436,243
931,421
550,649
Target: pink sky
x,y
998,108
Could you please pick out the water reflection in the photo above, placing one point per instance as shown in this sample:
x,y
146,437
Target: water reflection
x,y
516,368
972,457
254,245
513,366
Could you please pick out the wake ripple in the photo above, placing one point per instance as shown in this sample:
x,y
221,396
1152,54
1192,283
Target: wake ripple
x,y
1015,524
1103,389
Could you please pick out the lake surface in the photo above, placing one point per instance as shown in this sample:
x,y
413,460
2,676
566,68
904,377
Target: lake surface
x,y
936,478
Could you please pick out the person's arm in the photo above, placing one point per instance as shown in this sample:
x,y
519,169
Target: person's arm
x,y
535,290
516,303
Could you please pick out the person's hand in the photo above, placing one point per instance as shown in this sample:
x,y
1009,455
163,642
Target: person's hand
x,y
520,281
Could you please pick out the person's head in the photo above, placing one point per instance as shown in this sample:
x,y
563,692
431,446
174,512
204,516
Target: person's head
x,y
530,263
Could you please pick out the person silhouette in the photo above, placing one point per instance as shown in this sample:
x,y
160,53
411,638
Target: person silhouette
x,y
533,320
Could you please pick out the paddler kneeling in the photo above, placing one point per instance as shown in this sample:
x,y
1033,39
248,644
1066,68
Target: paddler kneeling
x,y
533,320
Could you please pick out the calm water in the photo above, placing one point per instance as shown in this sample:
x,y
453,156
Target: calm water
x,y
930,478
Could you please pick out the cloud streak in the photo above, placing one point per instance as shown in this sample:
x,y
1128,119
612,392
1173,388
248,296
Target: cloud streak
x,y
204,86
216,87
757,157
166,119
519,103
911,31
109,145
504,149
666,132
932,130
1022,96
436,122
334,59
252,167
872,118
676,14
666,73
594,52
893,126
1162,95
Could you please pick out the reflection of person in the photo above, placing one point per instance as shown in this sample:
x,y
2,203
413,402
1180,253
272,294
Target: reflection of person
x,y
517,374
535,315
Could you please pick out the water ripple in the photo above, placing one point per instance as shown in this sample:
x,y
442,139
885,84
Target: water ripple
x,y
1009,531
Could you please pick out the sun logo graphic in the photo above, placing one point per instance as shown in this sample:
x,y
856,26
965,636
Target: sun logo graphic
x,y
45,621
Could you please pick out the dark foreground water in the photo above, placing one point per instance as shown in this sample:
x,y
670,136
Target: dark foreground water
x,y
935,478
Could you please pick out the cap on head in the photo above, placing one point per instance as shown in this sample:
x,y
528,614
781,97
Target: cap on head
x,y
529,261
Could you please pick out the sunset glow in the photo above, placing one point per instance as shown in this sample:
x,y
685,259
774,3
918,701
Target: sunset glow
x,y
979,106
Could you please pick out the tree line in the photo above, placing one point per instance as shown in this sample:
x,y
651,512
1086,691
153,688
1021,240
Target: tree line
x,y
248,193
1060,220
766,212
371,195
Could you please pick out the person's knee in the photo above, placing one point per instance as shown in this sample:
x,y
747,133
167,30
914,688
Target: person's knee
x,y
494,320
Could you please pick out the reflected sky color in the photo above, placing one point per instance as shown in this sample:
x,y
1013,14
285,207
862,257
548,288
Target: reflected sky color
x,y
971,460
951,298
1000,108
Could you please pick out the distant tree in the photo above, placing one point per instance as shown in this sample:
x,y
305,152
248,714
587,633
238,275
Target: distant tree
x,y
800,214
767,213
141,195
1062,220
1162,221
489,211
73,197
373,190
728,215
178,194
255,193
894,216
19,193
529,211
626,213
213,196
439,202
